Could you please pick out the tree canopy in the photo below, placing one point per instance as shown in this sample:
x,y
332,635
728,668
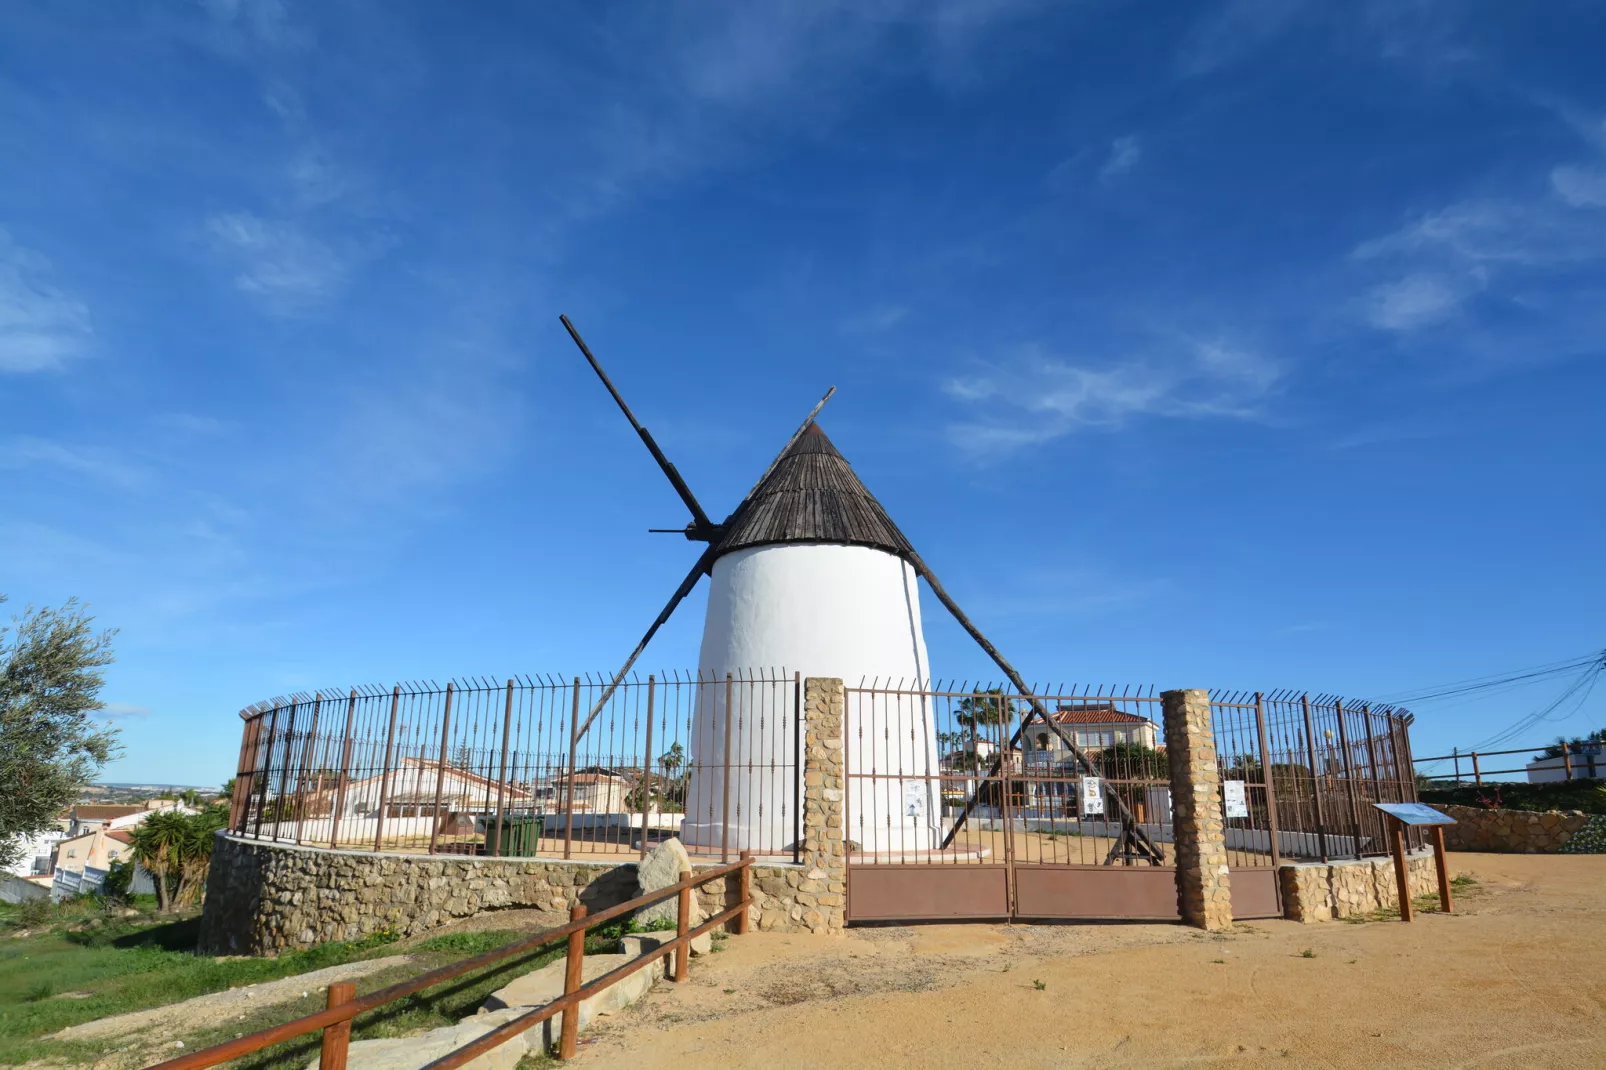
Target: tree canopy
x,y
1573,744
50,746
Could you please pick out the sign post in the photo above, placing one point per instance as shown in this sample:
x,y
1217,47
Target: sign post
x,y
1401,815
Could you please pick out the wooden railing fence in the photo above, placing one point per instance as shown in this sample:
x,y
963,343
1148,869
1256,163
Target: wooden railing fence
x,y
343,1004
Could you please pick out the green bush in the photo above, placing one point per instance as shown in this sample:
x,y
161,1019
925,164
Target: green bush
x,y
1589,840
1586,795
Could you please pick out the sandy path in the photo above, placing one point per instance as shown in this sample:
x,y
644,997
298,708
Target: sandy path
x,y
216,1008
1516,979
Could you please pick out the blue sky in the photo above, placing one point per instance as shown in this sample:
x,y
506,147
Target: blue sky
x,y
1249,344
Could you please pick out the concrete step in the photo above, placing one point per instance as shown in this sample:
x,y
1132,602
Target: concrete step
x,y
410,1053
546,984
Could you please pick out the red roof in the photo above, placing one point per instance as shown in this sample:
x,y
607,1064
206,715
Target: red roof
x,y
120,836
1096,715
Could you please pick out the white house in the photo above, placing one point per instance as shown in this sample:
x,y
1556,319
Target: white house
x,y
1094,726
1588,763
36,853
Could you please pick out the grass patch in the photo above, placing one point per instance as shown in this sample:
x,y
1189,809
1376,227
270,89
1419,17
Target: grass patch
x,y
113,964
130,964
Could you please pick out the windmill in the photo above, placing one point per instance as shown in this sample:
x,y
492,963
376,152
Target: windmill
x,y
809,572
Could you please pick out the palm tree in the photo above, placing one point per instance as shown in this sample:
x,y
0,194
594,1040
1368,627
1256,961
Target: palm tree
x,y
195,859
159,844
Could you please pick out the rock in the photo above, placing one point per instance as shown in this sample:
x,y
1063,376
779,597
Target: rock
x,y
546,984
661,869
410,1053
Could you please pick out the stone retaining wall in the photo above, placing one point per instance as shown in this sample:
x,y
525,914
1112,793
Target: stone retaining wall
x,y
263,898
1511,831
1325,891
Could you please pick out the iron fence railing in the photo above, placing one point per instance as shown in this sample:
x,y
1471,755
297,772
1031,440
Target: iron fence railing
x,y
480,766
1311,766
580,768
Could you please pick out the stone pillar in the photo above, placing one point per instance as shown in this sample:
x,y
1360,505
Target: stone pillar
x,y
1204,896
823,891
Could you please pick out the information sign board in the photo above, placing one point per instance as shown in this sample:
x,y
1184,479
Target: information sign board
x,y
1234,802
1092,795
1415,813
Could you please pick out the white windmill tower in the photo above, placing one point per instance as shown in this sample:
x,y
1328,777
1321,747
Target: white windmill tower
x,y
812,574
809,573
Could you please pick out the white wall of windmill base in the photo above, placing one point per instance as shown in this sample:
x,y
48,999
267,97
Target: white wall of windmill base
x,y
819,610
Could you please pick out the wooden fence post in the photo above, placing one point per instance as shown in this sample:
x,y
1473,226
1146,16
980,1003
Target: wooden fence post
x,y
746,891
573,972
1402,878
682,927
337,1037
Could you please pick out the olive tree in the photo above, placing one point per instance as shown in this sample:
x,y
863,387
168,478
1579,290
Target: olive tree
x,y
50,746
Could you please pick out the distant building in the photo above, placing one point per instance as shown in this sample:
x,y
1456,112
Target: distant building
x,y
412,789
1093,726
595,791
86,818
1588,762
37,853
83,861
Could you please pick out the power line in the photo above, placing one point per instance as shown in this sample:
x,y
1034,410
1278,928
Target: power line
x,y
1584,681
1499,682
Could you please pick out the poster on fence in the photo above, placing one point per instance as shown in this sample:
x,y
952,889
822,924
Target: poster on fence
x,y
1092,795
1234,802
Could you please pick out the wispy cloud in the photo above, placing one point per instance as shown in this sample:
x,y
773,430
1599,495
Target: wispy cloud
x,y
1417,301
1125,152
1423,34
1579,186
1437,263
42,328
102,465
1196,380
1233,29
277,260
121,711
876,319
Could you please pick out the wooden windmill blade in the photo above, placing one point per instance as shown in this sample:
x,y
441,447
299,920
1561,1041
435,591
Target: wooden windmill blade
x,y
1131,830
701,529
705,563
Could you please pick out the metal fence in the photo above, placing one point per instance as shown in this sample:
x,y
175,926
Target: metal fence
x,y
1300,774
960,773
1311,767
532,765
943,773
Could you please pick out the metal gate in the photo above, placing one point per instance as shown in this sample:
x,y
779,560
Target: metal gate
x,y
1254,840
974,803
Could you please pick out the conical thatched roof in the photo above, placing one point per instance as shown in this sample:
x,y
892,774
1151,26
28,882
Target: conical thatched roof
x,y
812,495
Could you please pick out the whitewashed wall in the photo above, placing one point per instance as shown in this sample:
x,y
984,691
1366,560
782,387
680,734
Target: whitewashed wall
x,y
820,610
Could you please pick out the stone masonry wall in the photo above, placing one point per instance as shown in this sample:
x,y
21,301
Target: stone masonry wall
x,y
823,892
1204,897
1325,891
263,898
1511,831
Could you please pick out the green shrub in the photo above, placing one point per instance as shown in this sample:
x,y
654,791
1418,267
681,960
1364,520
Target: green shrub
x,y
1586,795
1589,840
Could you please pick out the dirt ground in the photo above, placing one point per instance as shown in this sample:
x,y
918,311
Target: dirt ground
x,y
1516,978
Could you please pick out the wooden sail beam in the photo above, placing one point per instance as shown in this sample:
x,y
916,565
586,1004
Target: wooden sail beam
x,y
705,561
1130,826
